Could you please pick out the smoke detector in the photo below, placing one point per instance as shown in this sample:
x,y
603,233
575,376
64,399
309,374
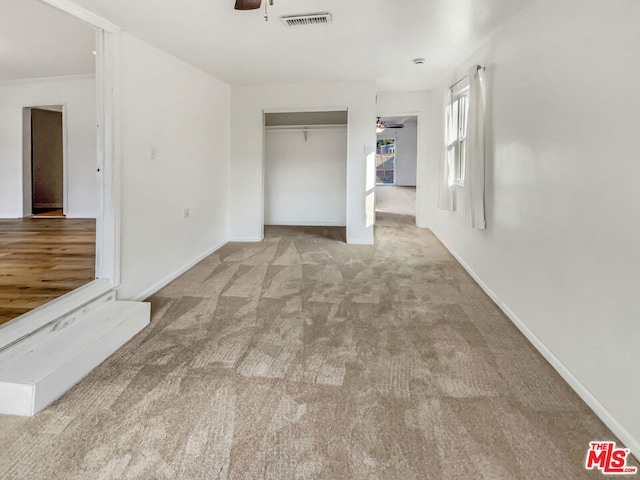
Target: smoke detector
x,y
418,61
307,19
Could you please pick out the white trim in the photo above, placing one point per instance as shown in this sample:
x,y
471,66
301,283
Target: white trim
x,y
37,318
583,392
65,161
107,161
175,274
50,330
305,109
83,14
36,377
62,78
27,169
280,128
419,152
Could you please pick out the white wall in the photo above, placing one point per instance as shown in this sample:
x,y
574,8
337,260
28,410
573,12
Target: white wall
x,y
78,94
561,247
406,152
247,147
419,104
306,180
184,114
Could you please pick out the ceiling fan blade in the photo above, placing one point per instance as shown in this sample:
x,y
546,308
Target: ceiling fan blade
x,y
247,4
394,125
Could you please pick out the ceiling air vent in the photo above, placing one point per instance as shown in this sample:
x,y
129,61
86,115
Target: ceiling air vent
x,y
309,19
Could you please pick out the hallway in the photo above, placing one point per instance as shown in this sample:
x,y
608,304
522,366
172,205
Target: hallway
x,y
395,206
305,357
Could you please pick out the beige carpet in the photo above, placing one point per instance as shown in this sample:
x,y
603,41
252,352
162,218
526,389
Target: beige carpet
x,y
398,200
307,358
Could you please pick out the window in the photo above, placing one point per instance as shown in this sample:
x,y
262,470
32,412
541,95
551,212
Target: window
x,y
457,133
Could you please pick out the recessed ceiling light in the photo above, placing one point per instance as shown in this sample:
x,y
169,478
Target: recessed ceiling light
x,y
418,61
94,52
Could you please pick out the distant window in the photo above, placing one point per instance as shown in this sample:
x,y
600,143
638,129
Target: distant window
x,y
457,133
386,162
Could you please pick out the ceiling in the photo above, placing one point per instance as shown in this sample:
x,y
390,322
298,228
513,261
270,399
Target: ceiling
x,y
368,39
37,40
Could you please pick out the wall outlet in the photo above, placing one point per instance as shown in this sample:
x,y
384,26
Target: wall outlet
x,y
153,153
185,213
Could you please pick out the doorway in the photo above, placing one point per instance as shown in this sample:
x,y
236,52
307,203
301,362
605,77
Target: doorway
x,y
305,162
47,161
396,170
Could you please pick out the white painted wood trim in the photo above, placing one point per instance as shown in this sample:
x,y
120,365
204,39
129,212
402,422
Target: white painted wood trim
x,y
609,420
305,109
37,318
27,190
107,165
33,380
62,78
420,222
49,331
83,14
65,161
176,273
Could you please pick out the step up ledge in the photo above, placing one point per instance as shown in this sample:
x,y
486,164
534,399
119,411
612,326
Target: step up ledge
x,y
16,399
16,329
57,327
58,350
32,390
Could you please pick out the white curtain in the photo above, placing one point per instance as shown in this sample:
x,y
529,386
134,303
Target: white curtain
x,y
446,192
474,162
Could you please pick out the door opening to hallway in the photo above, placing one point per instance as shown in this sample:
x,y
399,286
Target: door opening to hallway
x,y
396,170
47,165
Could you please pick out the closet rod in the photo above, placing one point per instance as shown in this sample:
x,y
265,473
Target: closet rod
x,y
303,127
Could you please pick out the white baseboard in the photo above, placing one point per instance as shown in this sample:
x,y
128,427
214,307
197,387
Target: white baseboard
x,y
175,274
246,239
609,420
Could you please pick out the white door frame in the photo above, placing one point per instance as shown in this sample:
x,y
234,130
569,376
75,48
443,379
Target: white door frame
x,y
266,111
108,149
419,152
108,180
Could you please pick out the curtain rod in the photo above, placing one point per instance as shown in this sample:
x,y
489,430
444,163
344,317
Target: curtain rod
x,y
479,67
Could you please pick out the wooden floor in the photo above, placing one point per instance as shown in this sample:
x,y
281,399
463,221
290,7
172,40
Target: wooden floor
x,y
42,259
